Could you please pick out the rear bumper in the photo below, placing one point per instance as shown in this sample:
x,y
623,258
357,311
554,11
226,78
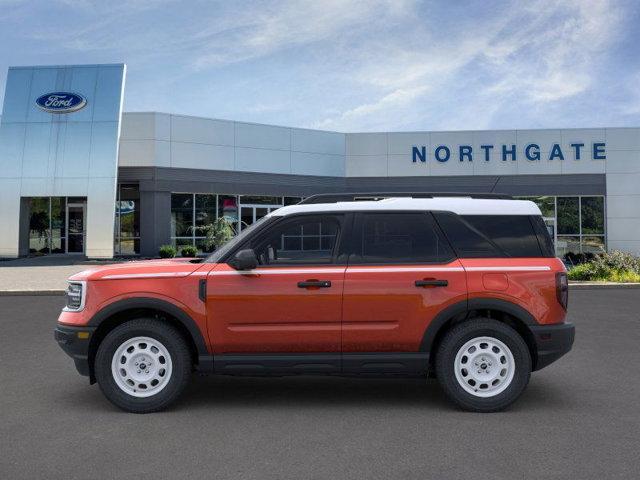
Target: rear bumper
x,y
75,343
552,342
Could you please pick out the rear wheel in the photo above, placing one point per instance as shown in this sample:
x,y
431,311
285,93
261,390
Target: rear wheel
x,y
143,365
483,365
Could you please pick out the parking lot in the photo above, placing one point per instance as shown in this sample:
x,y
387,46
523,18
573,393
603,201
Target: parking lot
x,y
579,418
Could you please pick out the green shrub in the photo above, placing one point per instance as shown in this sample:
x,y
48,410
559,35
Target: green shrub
x,y
614,266
188,251
624,277
217,233
167,251
581,272
617,260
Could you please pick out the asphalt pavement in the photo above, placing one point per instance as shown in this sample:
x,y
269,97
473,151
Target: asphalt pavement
x,y
579,418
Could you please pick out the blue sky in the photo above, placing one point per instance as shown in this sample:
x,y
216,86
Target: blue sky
x,y
371,65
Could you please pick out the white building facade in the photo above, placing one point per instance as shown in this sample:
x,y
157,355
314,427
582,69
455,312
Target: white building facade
x,y
100,182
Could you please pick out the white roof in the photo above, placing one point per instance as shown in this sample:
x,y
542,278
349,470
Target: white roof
x,y
459,205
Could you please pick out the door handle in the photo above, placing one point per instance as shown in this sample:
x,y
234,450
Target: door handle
x,y
431,283
314,284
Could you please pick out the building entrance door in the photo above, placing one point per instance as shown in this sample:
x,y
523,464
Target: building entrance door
x,y
76,220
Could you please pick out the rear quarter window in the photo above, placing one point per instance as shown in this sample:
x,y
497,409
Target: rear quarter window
x,y
474,236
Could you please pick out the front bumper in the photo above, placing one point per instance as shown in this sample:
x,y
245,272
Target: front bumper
x,y
75,342
552,342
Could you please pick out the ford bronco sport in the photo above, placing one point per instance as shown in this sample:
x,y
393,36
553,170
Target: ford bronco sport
x,y
463,288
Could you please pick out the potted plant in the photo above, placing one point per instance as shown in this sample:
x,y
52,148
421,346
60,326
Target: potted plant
x,y
217,233
167,251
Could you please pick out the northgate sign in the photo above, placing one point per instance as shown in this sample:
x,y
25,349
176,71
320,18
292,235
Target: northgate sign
x,y
531,152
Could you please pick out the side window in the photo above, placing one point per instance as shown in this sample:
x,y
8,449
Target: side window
x,y
400,238
475,236
468,243
514,234
544,239
307,240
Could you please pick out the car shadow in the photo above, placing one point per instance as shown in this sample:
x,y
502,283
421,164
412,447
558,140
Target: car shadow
x,y
222,392
312,392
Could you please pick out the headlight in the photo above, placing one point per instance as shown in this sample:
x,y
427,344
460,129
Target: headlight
x,y
76,293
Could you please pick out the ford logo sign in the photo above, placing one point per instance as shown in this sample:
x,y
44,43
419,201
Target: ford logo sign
x,y
61,102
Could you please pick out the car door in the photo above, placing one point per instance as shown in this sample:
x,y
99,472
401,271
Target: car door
x,y
401,273
292,302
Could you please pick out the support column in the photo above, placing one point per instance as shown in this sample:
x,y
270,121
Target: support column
x,y
155,221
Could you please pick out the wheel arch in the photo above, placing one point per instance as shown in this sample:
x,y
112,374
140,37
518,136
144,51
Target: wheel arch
x,y
504,311
121,311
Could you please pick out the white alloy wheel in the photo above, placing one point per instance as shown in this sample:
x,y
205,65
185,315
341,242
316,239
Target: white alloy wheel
x,y
141,367
484,367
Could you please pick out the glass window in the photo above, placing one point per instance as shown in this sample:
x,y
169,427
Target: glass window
x,y
181,242
260,200
593,244
129,246
513,234
205,210
201,245
58,220
228,208
568,216
129,211
467,242
308,240
127,224
567,244
39,225
401,238
181,214
547,206
592,215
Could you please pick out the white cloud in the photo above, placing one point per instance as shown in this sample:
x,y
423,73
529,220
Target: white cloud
x,y
534,54
346,64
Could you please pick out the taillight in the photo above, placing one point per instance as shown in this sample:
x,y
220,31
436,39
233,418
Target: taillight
x,y
562,289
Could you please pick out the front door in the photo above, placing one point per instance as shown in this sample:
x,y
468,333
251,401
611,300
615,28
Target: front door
x,y
291,303
401,274
75,227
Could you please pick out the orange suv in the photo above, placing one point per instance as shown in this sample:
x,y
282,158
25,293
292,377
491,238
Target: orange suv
x,y
463,288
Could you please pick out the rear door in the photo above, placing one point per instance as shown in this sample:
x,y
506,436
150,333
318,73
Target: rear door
x,y
401,273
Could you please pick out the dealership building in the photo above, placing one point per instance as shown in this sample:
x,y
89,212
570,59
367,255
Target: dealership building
x,y
80,176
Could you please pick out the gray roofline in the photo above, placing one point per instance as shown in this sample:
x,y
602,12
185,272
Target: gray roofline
x,y
377,132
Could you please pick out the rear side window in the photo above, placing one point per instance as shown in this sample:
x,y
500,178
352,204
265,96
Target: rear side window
x,y
468,242
513,234
476,236
544,236
399,238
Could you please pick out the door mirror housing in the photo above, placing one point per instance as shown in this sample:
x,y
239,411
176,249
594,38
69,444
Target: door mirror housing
x,y
244,260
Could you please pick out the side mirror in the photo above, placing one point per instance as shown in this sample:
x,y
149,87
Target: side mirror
x,y
244,260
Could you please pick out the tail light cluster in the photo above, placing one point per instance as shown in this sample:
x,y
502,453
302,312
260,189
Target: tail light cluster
x,y
562,289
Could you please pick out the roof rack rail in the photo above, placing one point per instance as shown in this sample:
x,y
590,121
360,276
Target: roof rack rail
x,y
354,197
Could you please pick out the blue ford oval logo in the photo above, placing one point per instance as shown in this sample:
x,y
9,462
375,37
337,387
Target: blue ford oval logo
x,y
61,102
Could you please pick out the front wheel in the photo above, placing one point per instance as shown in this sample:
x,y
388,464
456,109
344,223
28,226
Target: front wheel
x,y
143,365
483,365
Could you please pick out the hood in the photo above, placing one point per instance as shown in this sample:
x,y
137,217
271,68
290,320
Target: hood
x,y
173,268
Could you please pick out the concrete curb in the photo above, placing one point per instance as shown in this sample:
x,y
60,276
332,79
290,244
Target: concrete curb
x,y
601,285
22,293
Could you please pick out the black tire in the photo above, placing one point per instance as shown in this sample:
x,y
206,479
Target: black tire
x,y
456,338
177,348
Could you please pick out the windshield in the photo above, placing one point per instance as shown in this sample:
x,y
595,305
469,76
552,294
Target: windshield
x,y
235,241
